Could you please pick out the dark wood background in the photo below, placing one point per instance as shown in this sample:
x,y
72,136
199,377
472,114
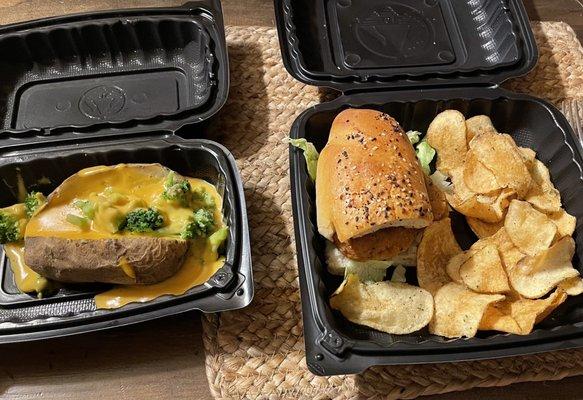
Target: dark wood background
x,y
164,359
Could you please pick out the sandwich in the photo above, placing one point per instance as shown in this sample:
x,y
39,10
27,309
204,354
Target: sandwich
x,y
372,194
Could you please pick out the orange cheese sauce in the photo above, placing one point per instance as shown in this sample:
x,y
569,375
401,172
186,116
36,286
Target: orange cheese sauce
x,y
25,278
119,189
200,264
128,187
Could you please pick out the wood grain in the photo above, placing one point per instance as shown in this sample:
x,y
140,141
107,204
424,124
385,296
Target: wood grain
x,y
164,359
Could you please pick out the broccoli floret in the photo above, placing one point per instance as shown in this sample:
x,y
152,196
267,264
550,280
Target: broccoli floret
x,y
142,220
87,208
201,224
204,198
80,222
33,201
9,228
177,190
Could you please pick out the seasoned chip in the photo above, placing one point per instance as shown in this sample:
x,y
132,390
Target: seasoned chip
x,y
572,286
458,311
477,125
488,208
477,177
543,195
447,135
483,271
455,263
437,246
533,277
437,200
530,230
528,155
484,229
499,154
390,307
564,221
516,315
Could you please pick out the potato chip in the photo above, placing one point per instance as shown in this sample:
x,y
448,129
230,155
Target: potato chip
x,y
517,315
484,229
543,195
455,263
499,154
498,317
458,311
572,286
437,200
564,221
447,135
437,246
555,256
391,307
483,272
533,277
477,177
487,208
530,230
528,155
477,125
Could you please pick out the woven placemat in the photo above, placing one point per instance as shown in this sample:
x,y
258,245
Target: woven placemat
x,y
258,352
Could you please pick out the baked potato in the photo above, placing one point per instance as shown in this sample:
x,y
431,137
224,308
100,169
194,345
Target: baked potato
x,y
124,224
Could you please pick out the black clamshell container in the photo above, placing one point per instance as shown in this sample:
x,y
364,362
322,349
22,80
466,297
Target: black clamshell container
x,y
107,88
412,60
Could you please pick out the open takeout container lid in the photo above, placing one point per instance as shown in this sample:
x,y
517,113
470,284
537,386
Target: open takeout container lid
x,y
354,45
113,72
116,87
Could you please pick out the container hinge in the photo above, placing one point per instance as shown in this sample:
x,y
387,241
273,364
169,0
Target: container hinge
x,y
222,278
332,342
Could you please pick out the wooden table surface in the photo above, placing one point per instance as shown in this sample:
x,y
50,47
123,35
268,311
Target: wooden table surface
x,y
164,359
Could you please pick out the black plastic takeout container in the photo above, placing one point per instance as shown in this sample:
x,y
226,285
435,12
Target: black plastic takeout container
x,y
389,56
107,88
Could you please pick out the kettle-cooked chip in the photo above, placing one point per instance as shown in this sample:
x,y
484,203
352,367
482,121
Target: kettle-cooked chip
x,y
499,153
458,311
477,125
533,277
390,307
530,230
528,155
572,286
483,271
543,195
484,229
477,177
437,247
564,221
517,315
454,265
489,208
447,135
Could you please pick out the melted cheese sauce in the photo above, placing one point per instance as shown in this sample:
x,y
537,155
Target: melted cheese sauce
x,y
115,191
25,278
200,264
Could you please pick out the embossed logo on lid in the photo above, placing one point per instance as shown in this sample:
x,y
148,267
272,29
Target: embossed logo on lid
x,y
102,102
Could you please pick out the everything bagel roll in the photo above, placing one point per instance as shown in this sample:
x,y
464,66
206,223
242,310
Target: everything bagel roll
x,y
369,180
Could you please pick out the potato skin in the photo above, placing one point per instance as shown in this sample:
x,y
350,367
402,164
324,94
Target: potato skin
x,y
98,260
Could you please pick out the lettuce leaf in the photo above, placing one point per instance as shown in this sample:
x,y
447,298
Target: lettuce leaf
x,y
425,154
310,154
413,136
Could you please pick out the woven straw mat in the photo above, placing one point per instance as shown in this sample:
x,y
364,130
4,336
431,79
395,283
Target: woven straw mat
x,y
258,352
